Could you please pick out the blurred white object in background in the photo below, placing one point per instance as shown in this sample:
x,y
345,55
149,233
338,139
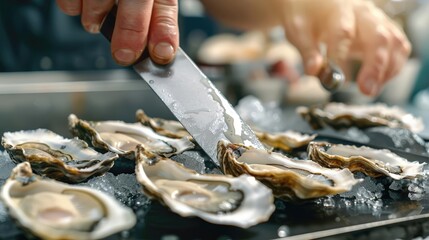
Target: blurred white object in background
x,y
230,48
422,100
307,91
268,90
397,91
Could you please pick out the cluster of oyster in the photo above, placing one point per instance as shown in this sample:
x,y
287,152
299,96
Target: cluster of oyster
x,y
48,207
290,178
242,198
327,171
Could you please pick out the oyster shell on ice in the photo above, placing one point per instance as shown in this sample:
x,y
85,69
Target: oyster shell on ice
x,y
372,162
67,160
288,178
286,141
218,199
169,128
54,210
122,138
339,115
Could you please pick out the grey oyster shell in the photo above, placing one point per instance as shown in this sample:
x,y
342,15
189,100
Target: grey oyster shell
x,y
67,160
372,162
54,210
286,141
339,115
122,138
169,128
218,199
288,178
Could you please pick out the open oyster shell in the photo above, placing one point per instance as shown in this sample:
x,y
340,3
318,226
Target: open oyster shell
x,y
372,162
169,128
339,115
67,160
218,199
288,178
286,141
54,210
122,138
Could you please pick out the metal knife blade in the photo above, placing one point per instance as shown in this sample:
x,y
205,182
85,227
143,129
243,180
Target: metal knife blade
x,y
192,98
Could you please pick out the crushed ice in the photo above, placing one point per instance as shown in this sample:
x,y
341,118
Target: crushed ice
x,y
367,196
403,139
124,187
6,166
265,116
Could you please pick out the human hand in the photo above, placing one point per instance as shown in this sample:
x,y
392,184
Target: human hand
x,y
349,29
139,24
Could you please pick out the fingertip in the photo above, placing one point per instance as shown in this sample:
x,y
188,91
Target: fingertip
x,y
71,8
313,64
125,57
162,52
92,28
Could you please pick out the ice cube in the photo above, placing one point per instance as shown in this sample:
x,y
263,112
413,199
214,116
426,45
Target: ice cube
x,y
6,166
265,116
3,213
124,187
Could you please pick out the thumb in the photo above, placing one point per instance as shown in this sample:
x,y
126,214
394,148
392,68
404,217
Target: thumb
x,y
164,31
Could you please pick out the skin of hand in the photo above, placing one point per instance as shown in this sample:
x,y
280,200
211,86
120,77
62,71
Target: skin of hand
x,y
139,23
350,29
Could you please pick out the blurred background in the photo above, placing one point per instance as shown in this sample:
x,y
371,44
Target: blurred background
x,y
50,67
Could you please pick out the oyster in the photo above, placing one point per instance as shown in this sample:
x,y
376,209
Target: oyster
x,y
67,160
219,199
286,141
54,210
169,128
340,115
122,138
288,178
372,162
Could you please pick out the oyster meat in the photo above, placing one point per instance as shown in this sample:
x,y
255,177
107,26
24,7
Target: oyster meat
x,y
372,162
288,178
339,115
122,138
67,160
218,199
54,210
286,141
169,128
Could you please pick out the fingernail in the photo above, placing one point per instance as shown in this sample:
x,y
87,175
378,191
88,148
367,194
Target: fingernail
x,y
125,56
94,28
163,50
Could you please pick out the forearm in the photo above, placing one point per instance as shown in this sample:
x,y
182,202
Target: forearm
x,y
246,14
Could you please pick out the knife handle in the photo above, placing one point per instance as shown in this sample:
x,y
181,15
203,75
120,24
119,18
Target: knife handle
x,y
331,76
108,26
109,23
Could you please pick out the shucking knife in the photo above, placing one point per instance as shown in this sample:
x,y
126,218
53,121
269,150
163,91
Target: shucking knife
x,y
192,98
331,76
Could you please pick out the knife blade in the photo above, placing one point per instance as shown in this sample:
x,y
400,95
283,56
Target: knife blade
x,y
192,98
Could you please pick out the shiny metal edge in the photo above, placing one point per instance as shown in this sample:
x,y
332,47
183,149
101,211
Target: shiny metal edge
x,y
196,103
